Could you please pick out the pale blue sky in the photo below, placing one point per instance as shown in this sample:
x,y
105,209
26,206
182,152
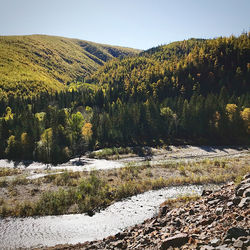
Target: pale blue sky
x,y
132,23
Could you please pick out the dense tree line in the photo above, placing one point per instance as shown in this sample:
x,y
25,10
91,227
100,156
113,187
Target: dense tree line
x,y
56,133
194,91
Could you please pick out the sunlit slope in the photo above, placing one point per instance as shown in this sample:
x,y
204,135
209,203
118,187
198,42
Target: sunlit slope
x,y
31,64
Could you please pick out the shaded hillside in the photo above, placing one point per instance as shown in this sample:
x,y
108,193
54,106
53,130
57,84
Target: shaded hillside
x,y
181,68
36,63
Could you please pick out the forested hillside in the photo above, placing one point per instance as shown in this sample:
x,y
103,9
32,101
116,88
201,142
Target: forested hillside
x,y
182,68
39,63
195,91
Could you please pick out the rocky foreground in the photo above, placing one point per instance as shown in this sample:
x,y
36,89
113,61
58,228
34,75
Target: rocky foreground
x,y
219,220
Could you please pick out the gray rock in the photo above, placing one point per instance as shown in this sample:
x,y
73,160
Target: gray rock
x,y
212,202
206,192
215,242
243,238
219,210
246,193
244,202
241,188
119,244
246,243
227,241
175,241
238,244
230,203
206,247
247,176
224,247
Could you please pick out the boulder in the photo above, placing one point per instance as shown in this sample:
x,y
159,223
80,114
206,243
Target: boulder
x,y
236,232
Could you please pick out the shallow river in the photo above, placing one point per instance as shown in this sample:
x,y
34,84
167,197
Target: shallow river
x,y
51,230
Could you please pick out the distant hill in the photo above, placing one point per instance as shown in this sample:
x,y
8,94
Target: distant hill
x,y
36,63
181,68
173,51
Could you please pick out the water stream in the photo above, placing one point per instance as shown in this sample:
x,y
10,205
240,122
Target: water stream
x,y
52,230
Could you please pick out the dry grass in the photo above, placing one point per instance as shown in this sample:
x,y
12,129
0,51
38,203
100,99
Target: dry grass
x,y
59,192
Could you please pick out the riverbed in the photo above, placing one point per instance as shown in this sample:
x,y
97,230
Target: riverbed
x,y
33,232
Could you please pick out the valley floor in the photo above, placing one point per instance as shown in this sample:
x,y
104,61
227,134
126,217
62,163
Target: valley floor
x,y
71,188
131,174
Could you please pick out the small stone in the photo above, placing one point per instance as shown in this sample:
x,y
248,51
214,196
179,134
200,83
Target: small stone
x,y
178,223
244,202
227,241
238,244
148,230
120,236
175,241
212,202
206,192
215,242
163,211
219,210
223,247
239,218
207,222
118,244
246,243
236,200
243,238
241,189
206,247
191,212
230,203
246,193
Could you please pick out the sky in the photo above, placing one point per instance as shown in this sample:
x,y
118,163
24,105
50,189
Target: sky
x,y
138,24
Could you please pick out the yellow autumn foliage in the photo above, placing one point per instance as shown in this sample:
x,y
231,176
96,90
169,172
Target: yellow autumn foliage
x,y
87,130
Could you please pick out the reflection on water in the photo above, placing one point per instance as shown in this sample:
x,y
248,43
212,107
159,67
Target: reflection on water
x,y
52,230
